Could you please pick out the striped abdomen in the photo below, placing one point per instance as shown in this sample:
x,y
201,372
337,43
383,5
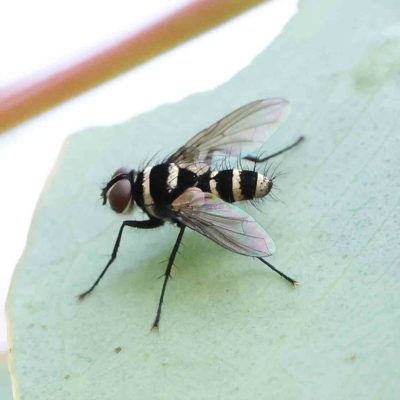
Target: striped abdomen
x,y
235,185
163,183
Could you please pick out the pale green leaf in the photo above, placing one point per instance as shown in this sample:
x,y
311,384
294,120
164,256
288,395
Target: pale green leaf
x,y
5,383
231,328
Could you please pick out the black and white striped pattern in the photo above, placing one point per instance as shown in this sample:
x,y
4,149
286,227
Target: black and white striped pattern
x,y
163,183
233,185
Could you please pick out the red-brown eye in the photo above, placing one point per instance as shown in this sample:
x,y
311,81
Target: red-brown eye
x,y
120,195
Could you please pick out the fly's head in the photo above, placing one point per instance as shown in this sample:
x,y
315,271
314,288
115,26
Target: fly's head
x,y
119,191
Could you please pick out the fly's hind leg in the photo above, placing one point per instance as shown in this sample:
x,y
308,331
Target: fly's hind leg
x,y
290,280
261,160
149,224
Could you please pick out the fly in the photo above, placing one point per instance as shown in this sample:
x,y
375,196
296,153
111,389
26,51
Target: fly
x,y
187,191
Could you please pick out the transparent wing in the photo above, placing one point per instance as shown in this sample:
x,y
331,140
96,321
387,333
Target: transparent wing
x,y
242,131
223,223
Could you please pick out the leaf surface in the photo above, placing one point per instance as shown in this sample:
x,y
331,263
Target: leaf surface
x,y
231,328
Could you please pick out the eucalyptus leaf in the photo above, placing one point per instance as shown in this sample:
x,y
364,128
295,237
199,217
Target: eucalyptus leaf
x,y
230,327
5,382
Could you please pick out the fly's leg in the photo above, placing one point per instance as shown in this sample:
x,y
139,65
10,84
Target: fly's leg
x,y
149,224
261,160
292,281
166,277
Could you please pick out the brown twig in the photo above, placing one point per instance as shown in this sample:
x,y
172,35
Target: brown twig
x,y
188,22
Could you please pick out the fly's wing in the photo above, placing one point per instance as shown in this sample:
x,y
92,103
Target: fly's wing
x,y
223,223
242,131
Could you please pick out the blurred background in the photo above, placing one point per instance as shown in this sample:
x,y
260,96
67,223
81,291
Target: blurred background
x,y
38,38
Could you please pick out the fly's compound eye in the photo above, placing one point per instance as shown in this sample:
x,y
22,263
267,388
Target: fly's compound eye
x,y
120,195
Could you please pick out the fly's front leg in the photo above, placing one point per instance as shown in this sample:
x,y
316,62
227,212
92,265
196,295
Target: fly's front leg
x,y
261,160
166,277
149,224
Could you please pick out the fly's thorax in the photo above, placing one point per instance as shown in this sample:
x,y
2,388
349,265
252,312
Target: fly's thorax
x,y
161,184
119,191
